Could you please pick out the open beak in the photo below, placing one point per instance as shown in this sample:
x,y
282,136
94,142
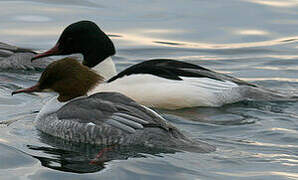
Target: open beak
x,y
54,51
34,88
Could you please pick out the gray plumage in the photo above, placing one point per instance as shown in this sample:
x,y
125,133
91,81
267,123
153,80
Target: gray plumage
x,y
112,118
12,57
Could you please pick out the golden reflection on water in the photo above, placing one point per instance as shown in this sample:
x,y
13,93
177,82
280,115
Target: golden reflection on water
x,y
38,31
55,10
239,57
284,129
290,160
289,164
141,39
277,68
270,79
276,3
3,141
144,37
287,174
273,145
279,56
285,159
256,173
159,31
262,155
252,32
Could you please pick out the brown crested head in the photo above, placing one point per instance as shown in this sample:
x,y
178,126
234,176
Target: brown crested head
x,y
67,77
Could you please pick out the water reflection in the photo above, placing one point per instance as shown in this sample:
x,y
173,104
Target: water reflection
x,y
252,32
67,161
32,18
278,68
276,3
66,2
215,116
271,79
85,158
256,174
265,144
216,34
144,40
31,31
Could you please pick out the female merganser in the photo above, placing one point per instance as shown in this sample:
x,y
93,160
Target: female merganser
x,y
158,83
105,118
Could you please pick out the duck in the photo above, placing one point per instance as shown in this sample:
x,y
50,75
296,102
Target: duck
x,y
105,118
156,83
17,58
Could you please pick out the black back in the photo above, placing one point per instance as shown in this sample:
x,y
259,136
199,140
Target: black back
x,y
166,68
174,70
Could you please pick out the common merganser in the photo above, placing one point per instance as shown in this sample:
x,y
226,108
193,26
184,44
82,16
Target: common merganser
x,y
12,57
158,83
105,118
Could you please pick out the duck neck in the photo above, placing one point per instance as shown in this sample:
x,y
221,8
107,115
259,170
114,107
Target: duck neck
x,y
106,68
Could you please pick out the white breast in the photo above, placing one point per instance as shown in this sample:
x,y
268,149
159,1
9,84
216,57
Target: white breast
x,y
153,91
106,68
51,106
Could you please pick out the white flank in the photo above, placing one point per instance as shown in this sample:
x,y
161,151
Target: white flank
x,y
153,91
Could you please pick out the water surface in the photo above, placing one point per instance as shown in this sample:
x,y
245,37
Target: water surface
x,y
255,40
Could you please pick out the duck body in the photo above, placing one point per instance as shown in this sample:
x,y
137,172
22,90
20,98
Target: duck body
x,y
172,84
109,119
106,118
159,83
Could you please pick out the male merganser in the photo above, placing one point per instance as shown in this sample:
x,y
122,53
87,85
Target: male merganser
x,y
158,83
103,118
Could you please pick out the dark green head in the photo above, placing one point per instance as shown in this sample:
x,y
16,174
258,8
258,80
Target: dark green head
x,y
83,37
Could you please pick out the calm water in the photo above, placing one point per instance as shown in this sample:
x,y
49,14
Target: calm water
x,y
255,40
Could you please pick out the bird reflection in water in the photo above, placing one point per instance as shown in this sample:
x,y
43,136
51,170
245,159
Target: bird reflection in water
x,y
80,158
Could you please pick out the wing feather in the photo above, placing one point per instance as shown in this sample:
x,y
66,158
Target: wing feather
x,y
109,108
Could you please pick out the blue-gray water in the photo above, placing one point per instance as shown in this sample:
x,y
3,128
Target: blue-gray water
x,y
255,40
